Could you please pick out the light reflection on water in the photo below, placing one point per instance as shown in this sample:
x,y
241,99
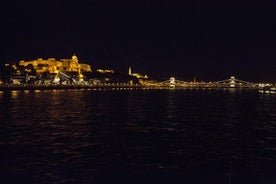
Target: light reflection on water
x,y
88,136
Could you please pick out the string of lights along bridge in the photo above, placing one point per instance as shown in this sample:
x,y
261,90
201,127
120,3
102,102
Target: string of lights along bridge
x,y
232,82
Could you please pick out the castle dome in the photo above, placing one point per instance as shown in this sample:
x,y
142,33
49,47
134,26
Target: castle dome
x,y
74,58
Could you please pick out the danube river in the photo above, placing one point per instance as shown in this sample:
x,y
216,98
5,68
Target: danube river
x,y
138,136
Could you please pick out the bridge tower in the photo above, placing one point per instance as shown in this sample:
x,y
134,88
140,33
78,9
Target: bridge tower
x,y
172,82
232,81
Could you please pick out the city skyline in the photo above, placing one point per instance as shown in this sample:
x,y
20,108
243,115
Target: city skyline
x,y
207,40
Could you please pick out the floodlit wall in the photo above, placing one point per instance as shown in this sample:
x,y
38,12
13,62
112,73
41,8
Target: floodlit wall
x,y
52,65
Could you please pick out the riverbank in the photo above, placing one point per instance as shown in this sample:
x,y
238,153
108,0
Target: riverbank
x,y
19,87
68,86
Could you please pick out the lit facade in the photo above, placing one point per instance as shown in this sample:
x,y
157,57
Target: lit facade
x,y
54,66
139,76
105,71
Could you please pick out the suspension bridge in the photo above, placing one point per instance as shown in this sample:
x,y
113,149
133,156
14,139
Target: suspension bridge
x,y
232,82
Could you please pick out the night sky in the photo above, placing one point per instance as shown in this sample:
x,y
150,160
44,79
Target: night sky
x,y
209,40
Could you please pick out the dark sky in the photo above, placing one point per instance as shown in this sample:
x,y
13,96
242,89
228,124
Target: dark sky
x,y
209,40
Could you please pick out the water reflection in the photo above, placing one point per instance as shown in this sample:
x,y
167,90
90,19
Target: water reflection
x,y
15,94
171,105
76,135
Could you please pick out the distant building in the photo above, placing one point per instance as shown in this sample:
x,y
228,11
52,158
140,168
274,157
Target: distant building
x,y
105,71
54,66
139,76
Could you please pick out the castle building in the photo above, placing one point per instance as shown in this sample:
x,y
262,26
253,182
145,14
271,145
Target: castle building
x,y
54,66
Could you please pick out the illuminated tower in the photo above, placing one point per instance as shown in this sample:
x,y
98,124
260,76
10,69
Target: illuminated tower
x,y
129,70
172,82
232,81
75,58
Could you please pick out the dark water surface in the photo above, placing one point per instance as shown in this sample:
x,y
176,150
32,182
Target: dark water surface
x,y
137,136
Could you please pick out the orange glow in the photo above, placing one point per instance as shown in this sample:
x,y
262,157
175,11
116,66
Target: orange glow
x,y
52,65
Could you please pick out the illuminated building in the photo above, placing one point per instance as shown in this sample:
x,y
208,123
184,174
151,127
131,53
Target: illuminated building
x,y
54,66
105,71
129,70
139,76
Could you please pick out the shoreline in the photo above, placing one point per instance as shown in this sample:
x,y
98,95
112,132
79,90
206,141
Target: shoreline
x,y
115,87
61,87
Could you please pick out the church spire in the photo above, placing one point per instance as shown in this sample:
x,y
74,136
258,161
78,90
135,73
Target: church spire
x,y
129,70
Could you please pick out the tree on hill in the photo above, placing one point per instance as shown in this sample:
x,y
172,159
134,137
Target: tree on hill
x,y
6,72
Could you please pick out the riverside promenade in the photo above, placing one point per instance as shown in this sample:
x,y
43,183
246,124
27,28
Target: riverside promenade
x,y
66,86
19,87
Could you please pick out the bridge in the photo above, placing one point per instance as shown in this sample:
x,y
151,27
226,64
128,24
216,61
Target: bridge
x,y
232,82
236,83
